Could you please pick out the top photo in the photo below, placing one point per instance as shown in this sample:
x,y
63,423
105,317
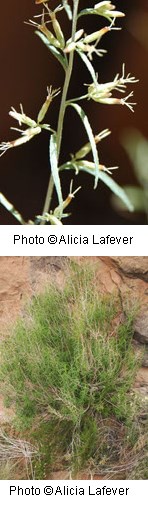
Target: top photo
x,y
74,105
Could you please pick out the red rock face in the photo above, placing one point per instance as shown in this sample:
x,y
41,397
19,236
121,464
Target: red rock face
x,y
20,278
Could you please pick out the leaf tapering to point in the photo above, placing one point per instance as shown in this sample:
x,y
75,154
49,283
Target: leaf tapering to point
x,y
88,128
54,167
62,59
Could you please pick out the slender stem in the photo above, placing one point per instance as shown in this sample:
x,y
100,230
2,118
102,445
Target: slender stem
x,y
67,80
62,108
77,99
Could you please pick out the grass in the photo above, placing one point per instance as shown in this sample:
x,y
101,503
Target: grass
x,y
68,370
15,456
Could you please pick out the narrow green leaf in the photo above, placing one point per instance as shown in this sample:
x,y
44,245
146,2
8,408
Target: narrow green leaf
x,y
85,12
67,9
62,59
122,194
116,189
135,194
9,206
54,167
90,135
88,65
109,182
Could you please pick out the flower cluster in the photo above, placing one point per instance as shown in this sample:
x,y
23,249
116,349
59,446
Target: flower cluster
x,y
87,43
107,9
34,127
84,44
103,92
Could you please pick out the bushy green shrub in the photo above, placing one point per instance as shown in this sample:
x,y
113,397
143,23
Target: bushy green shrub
x,y
68,370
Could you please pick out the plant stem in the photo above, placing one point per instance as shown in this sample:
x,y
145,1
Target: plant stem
x,y
62,108
77,99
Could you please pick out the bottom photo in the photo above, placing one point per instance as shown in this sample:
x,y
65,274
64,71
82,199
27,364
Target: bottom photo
x,y
73,368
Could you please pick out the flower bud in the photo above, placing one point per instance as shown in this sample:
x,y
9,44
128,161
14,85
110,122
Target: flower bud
x,y
105,4
77,36
70,47
52,40
67,201
26,135
83,47
51,94
96,35
106,9
87,147
58,32
21,117
40,1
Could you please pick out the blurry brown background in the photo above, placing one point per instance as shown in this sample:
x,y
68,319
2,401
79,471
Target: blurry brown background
x,y
26,69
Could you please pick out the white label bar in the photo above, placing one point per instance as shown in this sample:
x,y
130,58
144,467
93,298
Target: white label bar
x,y
106,240
55,494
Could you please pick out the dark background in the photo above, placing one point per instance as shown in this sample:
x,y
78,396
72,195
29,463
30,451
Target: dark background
x,y
26,69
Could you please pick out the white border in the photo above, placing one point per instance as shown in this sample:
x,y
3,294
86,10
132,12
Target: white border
x,y
125,240
134,492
